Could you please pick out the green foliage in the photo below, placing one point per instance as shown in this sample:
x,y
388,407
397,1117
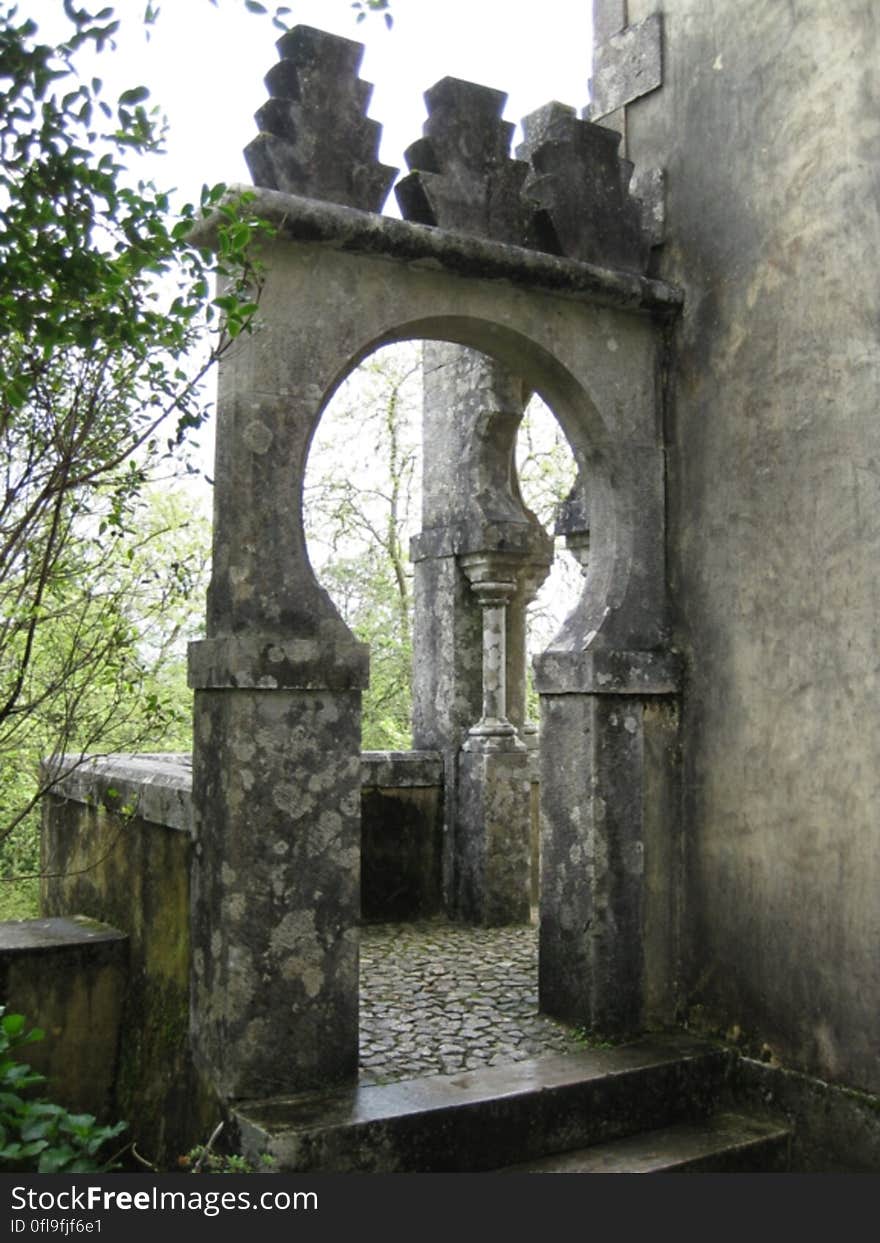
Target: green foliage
x,y
107,326
109,674
36,1134
202,1160
364,7
359,519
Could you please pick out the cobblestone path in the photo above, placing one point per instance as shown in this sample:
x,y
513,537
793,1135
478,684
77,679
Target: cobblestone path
x,y
437,998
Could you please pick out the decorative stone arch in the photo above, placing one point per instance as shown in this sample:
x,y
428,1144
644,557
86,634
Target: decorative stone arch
x,y
278,678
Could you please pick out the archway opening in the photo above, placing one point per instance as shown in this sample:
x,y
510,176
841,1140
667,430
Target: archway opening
x,y
436,995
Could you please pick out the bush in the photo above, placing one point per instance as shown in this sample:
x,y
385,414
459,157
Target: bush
x,y
37,1135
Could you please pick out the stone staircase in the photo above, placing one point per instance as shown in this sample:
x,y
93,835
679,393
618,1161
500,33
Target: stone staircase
x,y
646,1107
657,1105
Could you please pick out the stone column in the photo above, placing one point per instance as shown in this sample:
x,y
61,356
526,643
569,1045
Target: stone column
x,y
530,576
493,839
472,409
494,596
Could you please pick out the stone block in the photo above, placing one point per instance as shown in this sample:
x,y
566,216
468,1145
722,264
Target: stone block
x,y
627,65
462,175
493,836
68,976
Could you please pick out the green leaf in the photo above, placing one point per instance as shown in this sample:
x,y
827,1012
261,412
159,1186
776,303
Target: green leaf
x,y
53,1160
136,95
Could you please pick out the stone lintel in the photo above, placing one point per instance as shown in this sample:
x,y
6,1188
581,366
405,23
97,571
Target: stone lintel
x,y
270,663
300,219
608,672
489,539
626,66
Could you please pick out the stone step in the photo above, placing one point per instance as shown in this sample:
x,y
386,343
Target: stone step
x,y
723,1143
482,1120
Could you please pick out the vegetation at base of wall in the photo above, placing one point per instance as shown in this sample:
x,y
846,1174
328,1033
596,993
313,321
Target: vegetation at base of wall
x,y
588,1038
201,1160
37,1135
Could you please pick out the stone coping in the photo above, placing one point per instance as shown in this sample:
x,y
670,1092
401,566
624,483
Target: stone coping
x,y
158,786
301,219
401,769
29,936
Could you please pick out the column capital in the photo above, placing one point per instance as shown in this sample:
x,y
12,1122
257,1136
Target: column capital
x,y
492,571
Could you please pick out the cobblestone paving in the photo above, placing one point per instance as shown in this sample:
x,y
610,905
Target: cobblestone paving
x,y
437,998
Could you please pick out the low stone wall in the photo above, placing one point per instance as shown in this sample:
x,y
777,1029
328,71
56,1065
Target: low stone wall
x,y
401,834
68,977
133,873
401,808
116,848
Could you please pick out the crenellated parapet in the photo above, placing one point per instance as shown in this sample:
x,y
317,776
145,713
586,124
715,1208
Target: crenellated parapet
x,y
315,138
463,176
566,192
579,185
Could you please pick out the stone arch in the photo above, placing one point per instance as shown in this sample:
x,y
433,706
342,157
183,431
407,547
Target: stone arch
x,y
278,678
591,439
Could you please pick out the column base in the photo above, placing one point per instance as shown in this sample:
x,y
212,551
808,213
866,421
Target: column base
x,y
493,856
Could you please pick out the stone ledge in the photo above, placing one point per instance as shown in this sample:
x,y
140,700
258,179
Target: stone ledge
x,y
20,937
608,672
300,219
158,787
401,769
269,663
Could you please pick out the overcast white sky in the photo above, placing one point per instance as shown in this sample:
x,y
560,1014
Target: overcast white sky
x,y
205,66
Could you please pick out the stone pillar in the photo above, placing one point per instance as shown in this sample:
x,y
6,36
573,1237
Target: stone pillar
x,y
276,760
530,576
276,870
469,637
494,595
472,409
608,804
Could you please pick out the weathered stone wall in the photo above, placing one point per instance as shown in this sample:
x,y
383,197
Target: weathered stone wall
x,y
68,978
401,834
134,875
768,126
